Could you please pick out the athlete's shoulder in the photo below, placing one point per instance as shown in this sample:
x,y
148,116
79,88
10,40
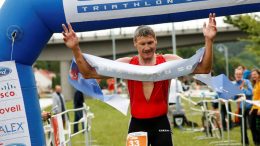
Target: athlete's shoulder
x,y
170,57
124,59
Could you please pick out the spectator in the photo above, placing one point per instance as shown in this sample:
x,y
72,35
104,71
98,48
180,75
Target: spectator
x,y
246,86
45,115
175,87
246,72
58,104
111,85
78,103
255,110
224,115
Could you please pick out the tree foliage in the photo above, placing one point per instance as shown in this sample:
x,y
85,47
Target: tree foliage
x,y
53,66
251,25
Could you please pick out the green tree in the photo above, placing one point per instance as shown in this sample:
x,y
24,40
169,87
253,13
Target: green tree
x,y
251,25
53,66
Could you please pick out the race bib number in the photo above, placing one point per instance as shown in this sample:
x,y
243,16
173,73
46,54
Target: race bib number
x,y
137,139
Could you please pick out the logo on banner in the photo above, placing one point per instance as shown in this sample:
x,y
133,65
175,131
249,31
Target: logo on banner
x,y
11,128
4,71
122,5
11,109
126,5
14,129
7,90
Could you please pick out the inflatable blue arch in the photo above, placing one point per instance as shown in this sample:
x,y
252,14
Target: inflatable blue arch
x,y
32,22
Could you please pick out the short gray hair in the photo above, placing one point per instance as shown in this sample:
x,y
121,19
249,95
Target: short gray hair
x,y
239,69
143,31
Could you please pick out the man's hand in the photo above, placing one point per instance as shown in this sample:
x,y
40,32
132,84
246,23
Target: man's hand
x,y
69,36
45,115
242,85
210,30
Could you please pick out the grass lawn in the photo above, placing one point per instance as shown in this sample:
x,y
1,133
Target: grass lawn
x,y
109,128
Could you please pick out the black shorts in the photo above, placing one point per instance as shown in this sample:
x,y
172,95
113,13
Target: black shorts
x,y
158,129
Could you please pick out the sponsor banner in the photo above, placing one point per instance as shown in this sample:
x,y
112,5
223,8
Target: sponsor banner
x,y
11,109
94,10
14,131
8,90
13,122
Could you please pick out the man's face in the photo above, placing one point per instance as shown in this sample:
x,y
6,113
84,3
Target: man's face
x,y
58,89
146,46
238,75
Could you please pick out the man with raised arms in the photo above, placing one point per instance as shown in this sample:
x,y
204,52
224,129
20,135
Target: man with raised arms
x,y
148,100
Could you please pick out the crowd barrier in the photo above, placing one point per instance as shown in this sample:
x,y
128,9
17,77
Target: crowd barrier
x,y
220,101
211,127
58,133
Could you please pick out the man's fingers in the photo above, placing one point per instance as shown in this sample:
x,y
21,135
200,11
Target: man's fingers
x,y
212,18
64,34
204,25
65,28
69,27
214,22
214,15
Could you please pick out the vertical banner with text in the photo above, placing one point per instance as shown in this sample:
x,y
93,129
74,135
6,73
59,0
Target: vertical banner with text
x,y
13,122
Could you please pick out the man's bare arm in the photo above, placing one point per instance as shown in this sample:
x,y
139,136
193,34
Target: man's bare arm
x,y
209,32
71,41
124,59
170,57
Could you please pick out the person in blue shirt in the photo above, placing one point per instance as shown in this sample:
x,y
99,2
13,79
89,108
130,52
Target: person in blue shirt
x,y
246,87
246,72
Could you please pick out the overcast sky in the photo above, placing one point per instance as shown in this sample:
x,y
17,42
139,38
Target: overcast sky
x,y
1,2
